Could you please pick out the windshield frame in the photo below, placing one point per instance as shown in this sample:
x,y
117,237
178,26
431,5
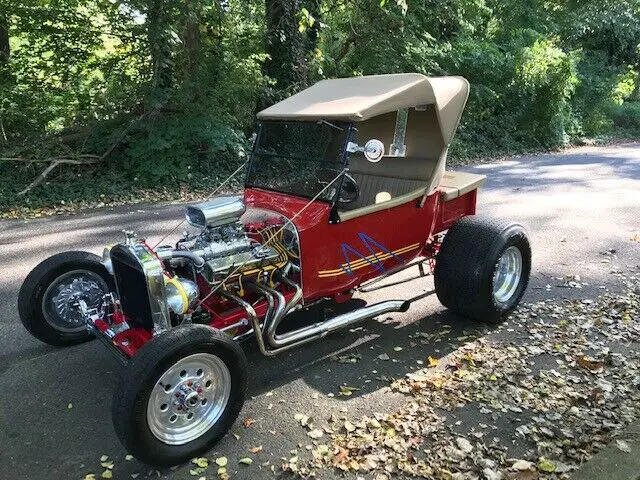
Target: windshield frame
x,y
344,158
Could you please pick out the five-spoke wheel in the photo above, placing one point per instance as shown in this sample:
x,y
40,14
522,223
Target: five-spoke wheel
x,y
181,393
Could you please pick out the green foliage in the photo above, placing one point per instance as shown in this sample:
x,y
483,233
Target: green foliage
x,y
547,78
627,118
169,90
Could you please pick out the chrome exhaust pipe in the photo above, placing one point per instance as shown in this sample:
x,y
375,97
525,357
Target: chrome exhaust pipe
x,y
322,329
276,312
297,296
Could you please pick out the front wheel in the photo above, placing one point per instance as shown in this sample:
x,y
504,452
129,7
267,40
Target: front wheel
x,y
483,268
180,395
49,299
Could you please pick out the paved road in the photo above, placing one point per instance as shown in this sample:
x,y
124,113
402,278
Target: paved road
x,y
575,205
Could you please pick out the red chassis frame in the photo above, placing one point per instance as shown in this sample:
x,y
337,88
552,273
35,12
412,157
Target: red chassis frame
x,y
335,257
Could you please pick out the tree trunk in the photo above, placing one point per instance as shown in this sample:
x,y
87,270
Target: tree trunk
x,y
158,35
192,41
285,44
4,40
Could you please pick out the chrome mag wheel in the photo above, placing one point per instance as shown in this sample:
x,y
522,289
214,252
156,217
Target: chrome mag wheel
x,y
60,302
507,275
189,398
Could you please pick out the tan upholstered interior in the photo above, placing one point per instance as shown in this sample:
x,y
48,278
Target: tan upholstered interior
x,y
394,202
397,176
452,185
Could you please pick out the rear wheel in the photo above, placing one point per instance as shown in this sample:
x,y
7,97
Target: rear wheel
x,y
180,395
49,299
483,268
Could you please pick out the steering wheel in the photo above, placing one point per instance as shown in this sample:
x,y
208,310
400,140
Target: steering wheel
x,y
350,190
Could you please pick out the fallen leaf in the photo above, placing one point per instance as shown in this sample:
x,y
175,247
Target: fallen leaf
x,y
108,465
221,461
316,433
247,422
128,458
624,446
201,462
70,406
90,476
104,458
522,465
302,418
433,362
107,474
245,461
464,445
256,449
383,356
546,466
346,391
349,427
590,364
397,349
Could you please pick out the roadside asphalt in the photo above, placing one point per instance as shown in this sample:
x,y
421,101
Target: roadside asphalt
x,y
55,405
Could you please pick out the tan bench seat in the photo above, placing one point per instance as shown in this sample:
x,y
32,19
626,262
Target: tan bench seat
x,y
455,184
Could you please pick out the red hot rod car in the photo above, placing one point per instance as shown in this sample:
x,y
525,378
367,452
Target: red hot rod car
x,y
345,186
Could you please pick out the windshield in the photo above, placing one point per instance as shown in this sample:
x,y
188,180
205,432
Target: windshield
x,y
299,158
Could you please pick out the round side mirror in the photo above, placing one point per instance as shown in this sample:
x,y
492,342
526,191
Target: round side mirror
x,y
374,150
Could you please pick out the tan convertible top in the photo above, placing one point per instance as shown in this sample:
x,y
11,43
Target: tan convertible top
x,y
360,98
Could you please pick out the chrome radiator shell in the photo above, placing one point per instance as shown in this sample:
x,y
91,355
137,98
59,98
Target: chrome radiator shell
x,y
134,263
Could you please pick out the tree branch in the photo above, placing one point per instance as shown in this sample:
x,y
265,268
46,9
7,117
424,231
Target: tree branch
x,y
79,159
40,178
4,134
76,160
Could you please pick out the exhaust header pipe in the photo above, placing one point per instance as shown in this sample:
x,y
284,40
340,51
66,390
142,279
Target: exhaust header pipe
x,y
279,343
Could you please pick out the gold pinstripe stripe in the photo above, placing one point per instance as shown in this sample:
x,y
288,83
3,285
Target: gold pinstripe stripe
x,y
367,261
372,258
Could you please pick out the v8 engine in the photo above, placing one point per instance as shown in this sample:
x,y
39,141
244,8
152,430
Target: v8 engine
x,y
227,254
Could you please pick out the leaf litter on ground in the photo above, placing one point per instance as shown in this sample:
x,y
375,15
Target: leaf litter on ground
x,y
562,378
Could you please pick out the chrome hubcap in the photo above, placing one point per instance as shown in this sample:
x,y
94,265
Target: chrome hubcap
x,y
189,398
506,277
60,302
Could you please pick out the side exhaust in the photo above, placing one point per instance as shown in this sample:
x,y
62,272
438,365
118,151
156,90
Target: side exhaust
x,y
270,343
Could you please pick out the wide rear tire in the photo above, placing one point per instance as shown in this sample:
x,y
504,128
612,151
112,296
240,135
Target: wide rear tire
x,y
180,395
483,268
48,296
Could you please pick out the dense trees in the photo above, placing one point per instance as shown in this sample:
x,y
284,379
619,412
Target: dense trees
x,y
168,89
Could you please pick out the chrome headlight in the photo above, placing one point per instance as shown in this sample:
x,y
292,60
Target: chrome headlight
x,y
181,294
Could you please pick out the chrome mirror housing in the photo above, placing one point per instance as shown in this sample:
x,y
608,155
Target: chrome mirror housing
x,y
373,150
